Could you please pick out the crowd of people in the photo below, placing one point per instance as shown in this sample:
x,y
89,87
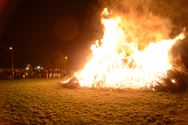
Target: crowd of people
x,y
20,73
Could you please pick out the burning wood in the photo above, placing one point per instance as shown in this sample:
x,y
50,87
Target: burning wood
x,y
70,83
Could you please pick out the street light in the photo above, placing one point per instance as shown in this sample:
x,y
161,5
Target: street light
x,y
12,60
66,57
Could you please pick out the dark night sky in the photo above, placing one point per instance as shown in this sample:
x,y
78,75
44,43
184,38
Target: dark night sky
x,y
39,28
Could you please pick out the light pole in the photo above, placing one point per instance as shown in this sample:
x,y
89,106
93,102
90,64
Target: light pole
x,y
12,60
66,59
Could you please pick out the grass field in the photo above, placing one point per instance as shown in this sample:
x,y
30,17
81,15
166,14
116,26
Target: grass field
x,y
46,102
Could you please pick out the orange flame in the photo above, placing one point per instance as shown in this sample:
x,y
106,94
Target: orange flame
x,y
117,63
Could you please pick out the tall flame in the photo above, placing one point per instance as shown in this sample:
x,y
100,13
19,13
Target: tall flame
x,y
117,63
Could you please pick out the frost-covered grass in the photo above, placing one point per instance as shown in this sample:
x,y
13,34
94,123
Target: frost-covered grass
x,y
44,101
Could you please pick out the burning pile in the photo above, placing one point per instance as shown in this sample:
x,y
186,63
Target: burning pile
x,y
119,62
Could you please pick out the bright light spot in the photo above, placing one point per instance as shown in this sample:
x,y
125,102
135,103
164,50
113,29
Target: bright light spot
x,y
27,68
10,48
66,57
173,80
38,67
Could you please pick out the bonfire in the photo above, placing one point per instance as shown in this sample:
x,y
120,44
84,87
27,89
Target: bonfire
x,y
121,60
